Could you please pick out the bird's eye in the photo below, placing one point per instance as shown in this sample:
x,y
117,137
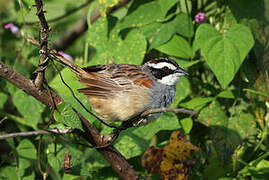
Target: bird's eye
x,y
165,68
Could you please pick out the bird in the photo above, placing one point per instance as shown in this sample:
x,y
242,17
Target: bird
x,y
120,92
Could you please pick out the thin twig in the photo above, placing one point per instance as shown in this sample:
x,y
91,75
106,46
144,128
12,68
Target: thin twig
x,y
174,110
36,133
44,29
44,174
23,18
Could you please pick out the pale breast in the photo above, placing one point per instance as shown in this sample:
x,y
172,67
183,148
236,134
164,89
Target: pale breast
x,y
123,106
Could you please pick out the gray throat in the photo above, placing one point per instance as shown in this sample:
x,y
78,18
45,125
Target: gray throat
x,y
162,95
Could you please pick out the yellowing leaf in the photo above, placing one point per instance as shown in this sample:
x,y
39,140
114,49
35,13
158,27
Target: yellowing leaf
x,y
170,161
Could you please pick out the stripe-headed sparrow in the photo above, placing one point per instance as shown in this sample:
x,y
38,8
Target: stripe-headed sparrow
x,y
119,92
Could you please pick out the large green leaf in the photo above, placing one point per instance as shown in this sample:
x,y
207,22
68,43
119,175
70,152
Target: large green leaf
x,y
183,25
224,53
177,46
145,14
26,152
134,141
110,47
166,5
197,103
65,114
7,172
213,115
183,90
3,99
180,24
29,107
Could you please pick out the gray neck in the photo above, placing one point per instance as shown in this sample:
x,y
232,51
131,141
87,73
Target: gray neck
x,y
162,95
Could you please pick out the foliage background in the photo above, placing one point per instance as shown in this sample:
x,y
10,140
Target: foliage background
x,y
226,57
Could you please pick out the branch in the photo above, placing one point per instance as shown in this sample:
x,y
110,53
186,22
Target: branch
x,y
81,26
174,110
28,86
44,29
36,133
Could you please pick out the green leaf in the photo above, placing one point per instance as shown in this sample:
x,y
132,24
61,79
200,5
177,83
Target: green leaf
x,y
224,53
130,50
145,14
65,114
203,34
26,152
151,30
183,90
244,124
29,177
183,25
180,24
166,5
29,107
104,4
134,141
7,173
226,94
177,46
165,32
186,125
3,99
186,64
257,92
197,103
113,49
215,168
212,115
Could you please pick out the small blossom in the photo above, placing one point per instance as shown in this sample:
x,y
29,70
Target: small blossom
x,y
66,56
200,18
14,29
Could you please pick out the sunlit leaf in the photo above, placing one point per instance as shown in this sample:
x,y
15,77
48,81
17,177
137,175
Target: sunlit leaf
x,y
65,114
224,53
29,107
144,14
177,46
166,5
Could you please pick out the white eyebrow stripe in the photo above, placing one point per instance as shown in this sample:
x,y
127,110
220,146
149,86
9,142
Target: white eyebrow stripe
x,y
160,65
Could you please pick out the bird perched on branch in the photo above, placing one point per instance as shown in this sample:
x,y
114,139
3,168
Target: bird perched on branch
x,y
120,92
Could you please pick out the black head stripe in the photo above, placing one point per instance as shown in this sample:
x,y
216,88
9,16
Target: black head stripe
x,y
160,73
158,60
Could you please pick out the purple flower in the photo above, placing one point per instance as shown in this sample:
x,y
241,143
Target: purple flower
x,y
200,18
14,29
66,56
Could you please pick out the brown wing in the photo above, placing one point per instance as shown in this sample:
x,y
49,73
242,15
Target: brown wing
x,y
107,80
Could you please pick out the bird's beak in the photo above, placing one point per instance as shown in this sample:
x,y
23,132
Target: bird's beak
x,y
181,72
